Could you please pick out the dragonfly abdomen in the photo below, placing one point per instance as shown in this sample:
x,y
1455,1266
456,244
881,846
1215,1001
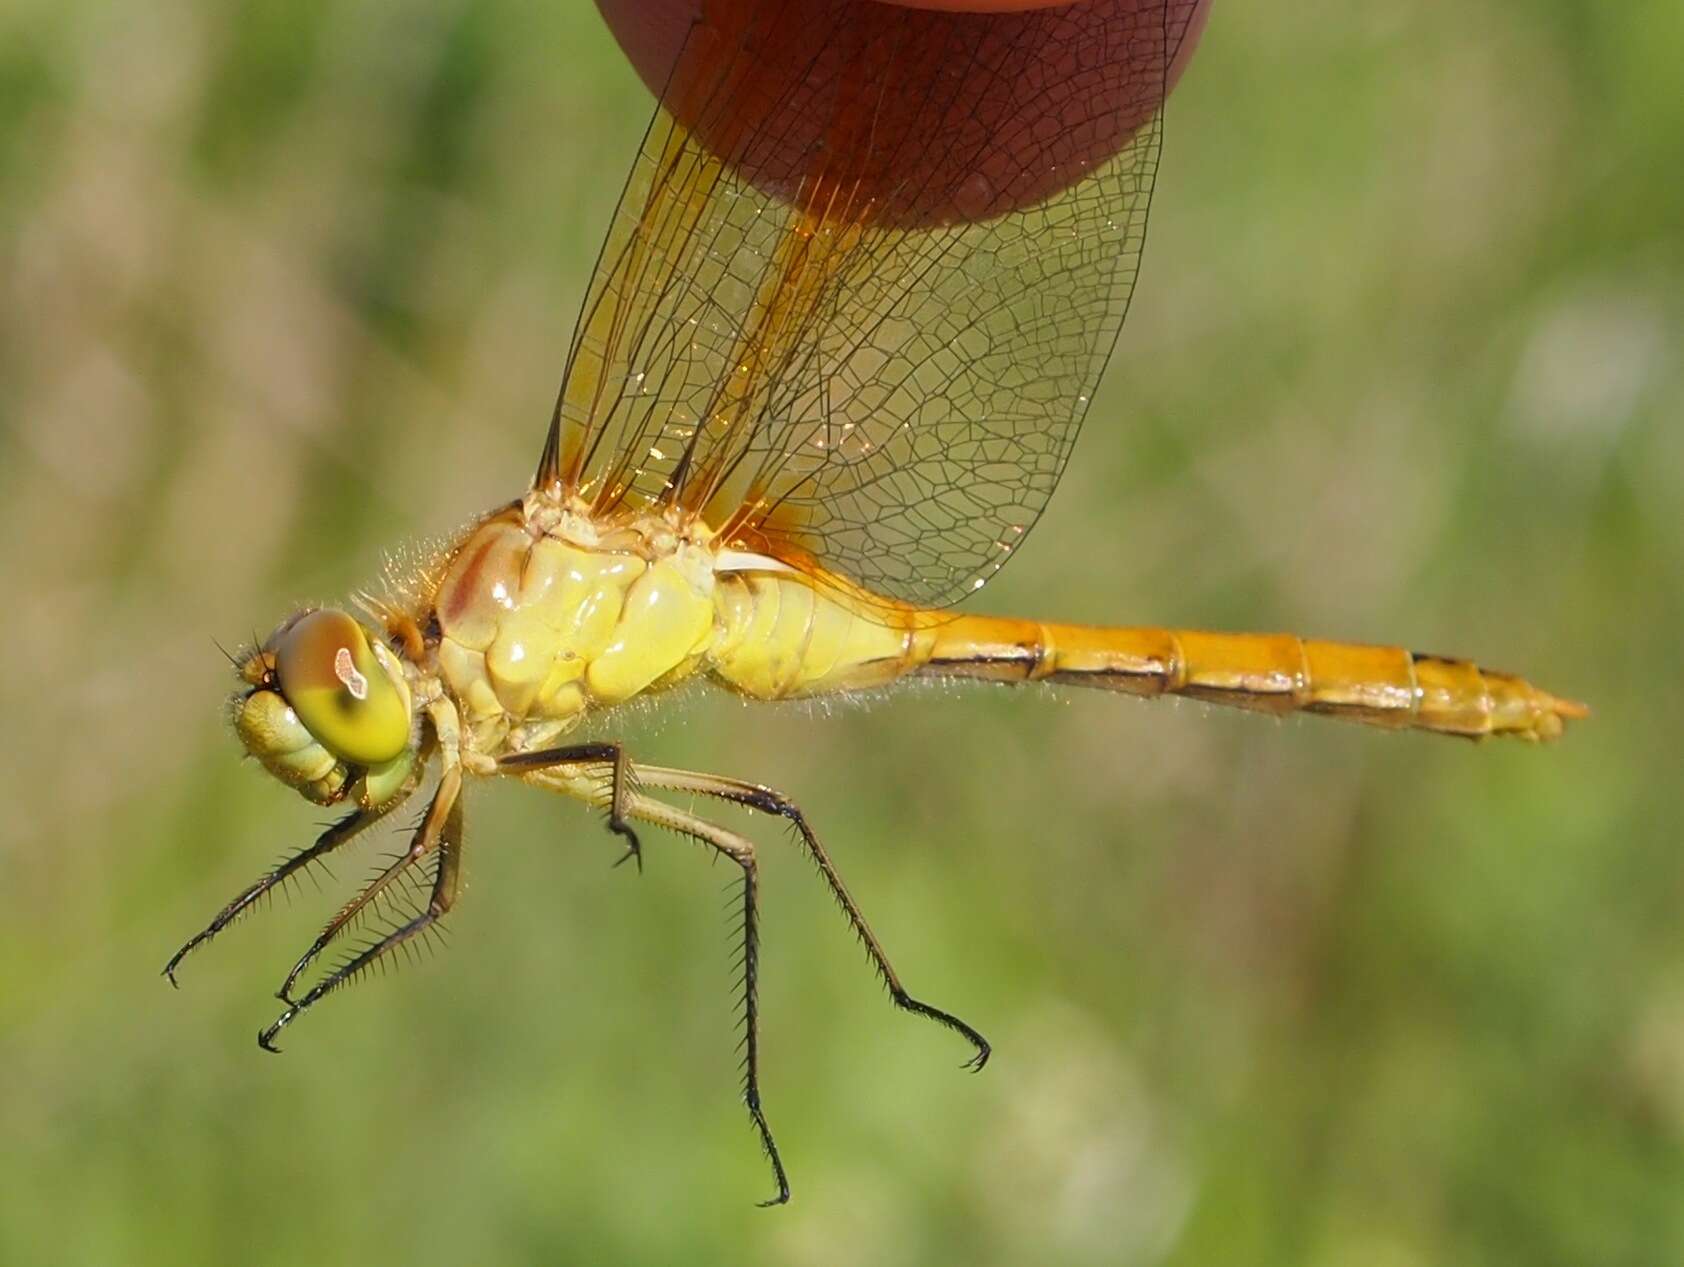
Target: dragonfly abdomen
x,y
781,637
1274,673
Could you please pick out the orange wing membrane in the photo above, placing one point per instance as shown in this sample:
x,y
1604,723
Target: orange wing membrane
x,y
863,280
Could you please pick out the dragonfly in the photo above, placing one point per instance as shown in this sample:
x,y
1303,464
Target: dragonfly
x,y
858,291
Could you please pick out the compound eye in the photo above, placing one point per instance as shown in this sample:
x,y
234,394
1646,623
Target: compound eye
x,y
339,688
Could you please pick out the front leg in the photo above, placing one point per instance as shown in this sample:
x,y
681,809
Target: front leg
x,y
440,831
352,825
423,842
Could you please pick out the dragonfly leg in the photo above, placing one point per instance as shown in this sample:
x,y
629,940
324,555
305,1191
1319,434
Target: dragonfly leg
x,y
442,831
353,824
739,850
620,788
768,801
433,828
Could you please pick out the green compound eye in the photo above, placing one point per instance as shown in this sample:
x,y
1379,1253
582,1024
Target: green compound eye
x,y
341,689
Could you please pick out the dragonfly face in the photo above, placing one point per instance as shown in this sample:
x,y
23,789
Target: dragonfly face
x,y
327,710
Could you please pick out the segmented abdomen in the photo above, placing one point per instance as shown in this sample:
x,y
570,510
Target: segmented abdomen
x,y
1276,673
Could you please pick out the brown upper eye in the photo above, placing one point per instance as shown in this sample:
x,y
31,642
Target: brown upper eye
x,y
329,674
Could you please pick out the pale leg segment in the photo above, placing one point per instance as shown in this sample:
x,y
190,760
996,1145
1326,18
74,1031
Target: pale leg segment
x,y
440,830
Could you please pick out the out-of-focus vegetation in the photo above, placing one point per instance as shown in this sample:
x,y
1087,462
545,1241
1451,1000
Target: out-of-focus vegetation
x,y
283,284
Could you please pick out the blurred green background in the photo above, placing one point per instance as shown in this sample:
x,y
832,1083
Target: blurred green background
x,y
287,284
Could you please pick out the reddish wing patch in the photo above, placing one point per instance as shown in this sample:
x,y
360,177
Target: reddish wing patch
x,y
864,278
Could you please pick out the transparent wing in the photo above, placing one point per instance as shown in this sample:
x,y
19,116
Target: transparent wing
x,y
864,277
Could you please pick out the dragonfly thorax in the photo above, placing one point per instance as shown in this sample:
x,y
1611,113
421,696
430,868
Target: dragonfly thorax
x,y
543,618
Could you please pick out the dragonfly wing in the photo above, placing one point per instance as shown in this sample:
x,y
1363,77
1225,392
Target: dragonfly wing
x,y
864,277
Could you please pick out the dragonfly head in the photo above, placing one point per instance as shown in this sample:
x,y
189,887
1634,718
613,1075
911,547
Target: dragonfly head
x,y
327,710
